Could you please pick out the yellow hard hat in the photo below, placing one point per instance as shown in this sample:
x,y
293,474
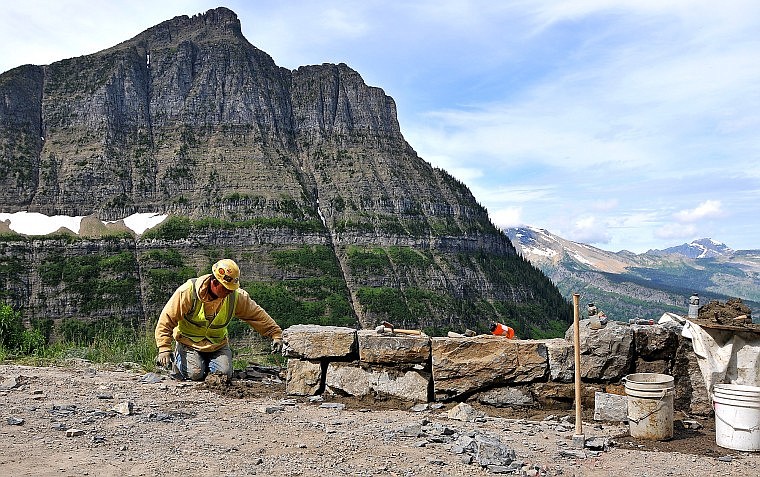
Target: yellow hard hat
x,y
228,273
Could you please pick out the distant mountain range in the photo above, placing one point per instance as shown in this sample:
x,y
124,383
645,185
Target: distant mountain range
x,y
702,248
627,285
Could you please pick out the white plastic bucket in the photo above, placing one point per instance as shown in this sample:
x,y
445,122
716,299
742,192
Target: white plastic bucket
x,y
737,416
650,405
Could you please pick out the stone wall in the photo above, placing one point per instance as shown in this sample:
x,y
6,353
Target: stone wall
x,y
489,369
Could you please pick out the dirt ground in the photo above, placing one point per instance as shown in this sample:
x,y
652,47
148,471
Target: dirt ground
x,y
83,420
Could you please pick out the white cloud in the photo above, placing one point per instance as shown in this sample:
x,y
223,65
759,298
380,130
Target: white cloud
x,y
587,229
507,217
705,210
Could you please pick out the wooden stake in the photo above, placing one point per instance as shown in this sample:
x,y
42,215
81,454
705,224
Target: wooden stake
x,y
579,440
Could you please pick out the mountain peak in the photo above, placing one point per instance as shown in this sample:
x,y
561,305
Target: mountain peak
x,y
700,248
214,23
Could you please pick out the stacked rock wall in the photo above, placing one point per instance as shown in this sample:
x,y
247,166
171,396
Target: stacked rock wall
x,y
489,369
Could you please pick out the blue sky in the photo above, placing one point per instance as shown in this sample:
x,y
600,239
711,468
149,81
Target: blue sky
x,y
626,124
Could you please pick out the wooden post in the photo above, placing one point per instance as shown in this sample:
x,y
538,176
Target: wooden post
x,y
579,440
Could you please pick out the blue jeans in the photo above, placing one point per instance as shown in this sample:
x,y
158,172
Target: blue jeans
x,y
195,365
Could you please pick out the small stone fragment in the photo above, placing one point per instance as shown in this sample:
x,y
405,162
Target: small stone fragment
x,y
14,421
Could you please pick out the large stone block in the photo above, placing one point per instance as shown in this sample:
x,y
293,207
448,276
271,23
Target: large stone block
x,y
561,360
607,353
660,366
392,349
304,378
319,342
463,365
655,342
610,407
355,380
691,394
508,396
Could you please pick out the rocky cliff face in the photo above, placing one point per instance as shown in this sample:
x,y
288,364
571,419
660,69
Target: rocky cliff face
x,y
189,119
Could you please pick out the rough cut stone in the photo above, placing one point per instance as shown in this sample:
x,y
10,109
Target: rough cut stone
x,y
607,353
462,365
392,349
304,378
610,407
463,412
660,366
655,342
562,395
319,342
487,450
690,390
355,380
9,383
561,360
507,397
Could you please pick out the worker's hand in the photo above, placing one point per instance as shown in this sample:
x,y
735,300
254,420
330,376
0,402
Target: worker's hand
x,y
164,359
276,346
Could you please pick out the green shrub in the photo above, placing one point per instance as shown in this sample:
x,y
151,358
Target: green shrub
x,y
11,327
173,228
318,258
388,302
14,338
368,261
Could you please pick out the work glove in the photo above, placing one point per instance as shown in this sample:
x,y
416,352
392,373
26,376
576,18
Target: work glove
x,y
276,346
164,359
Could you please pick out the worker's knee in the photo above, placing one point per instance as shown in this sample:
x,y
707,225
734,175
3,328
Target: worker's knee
x,y
190,364
195,374
221,362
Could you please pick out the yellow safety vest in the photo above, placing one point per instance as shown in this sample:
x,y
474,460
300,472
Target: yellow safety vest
x,y
197,326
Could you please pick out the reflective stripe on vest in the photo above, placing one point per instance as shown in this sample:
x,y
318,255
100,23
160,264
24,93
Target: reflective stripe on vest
x,y
197,327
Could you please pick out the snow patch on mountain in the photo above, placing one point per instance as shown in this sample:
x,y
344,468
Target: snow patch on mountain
x,y
34,223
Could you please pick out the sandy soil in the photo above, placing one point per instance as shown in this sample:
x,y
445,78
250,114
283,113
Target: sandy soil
x,y
131,426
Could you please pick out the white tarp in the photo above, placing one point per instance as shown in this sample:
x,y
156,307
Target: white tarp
x,y
724,356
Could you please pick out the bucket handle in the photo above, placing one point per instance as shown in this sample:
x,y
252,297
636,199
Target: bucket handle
x,y
748,429
665,392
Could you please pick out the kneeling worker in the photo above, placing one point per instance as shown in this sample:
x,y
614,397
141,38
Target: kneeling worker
x,y
196,317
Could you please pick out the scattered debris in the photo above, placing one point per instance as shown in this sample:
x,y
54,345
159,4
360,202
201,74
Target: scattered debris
x,y
333,405
11,382
598,443
463,412
14,421
488,451
124,408
64,410
150,378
